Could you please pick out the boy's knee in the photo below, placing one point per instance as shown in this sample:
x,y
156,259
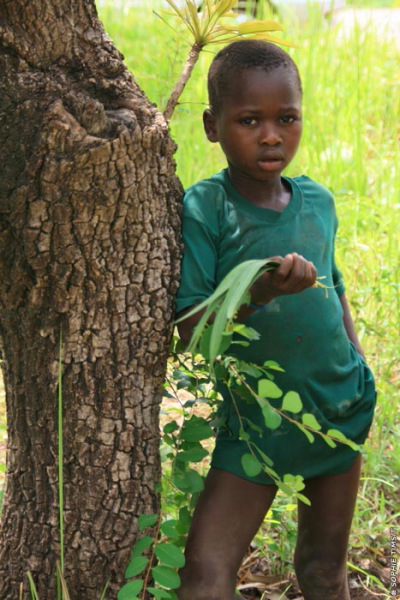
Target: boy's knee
x,y
201,581
319,578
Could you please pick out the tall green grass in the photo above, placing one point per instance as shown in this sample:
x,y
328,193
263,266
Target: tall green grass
x,y
351,144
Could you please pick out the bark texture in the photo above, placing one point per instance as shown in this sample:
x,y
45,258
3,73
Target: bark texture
x,y
89,222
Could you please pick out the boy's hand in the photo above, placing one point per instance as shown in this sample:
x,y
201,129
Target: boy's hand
x,y
294,275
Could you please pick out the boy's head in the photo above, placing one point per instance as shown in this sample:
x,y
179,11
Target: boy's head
x,y
241,56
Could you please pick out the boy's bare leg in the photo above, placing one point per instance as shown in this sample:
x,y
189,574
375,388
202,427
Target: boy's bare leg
x,y
323,533
228,514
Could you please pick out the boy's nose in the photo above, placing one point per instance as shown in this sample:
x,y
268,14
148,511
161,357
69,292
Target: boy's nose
x,y
269,135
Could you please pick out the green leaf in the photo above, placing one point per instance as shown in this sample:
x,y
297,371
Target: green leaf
x,y
295,481
253,426
268,389
307,433
168,528
184,520
171,427
267,460
192,455
250,370
248,332
205,343
309,420
243,435
136,566
130,590
188,481
271,364
166,577
340,437
145,521
225,301
170,555
195,482
142,545
303,499
274,39
285,488
196,429
251,466
176,9
272,419
330,442
258,27
292,402
160,594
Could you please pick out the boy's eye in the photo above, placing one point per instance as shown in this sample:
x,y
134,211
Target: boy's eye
x,y
287,119
248,121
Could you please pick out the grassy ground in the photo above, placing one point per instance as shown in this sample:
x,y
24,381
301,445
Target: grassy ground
x,y
351,144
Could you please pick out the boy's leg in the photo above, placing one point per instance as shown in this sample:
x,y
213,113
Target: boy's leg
x,y
323,533
228,514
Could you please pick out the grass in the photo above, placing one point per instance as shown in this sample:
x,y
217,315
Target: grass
x,y
351,144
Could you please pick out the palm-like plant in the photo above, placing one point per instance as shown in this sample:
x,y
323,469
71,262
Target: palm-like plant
x,y
206,28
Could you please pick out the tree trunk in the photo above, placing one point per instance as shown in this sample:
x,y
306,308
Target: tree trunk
x,y
89,215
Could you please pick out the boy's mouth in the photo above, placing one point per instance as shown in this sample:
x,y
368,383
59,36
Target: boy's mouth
x,y
270,162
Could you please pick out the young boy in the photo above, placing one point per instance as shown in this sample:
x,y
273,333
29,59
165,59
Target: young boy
x,y
251,211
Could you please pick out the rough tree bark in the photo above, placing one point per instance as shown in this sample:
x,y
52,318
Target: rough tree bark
x,y
89,215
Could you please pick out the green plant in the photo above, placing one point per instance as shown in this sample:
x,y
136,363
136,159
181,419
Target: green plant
x,y
207,28
62,588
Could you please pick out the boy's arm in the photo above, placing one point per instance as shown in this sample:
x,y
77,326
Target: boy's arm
x,y
294,275
349,325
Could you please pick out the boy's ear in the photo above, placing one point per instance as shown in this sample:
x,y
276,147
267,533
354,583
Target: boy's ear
x,y
210,125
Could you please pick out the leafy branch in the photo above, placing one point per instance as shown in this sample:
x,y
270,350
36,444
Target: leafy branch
x,y
212,339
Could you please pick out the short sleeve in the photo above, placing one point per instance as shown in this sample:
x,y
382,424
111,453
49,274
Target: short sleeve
x,y
200,255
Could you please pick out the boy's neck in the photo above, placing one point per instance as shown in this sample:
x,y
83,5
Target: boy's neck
x,y
274,194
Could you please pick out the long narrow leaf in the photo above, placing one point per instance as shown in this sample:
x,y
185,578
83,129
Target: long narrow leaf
x,y
255,26
194,19
103,595
234,298
218,292
65,591
176,9
274,39
60,457
218,328
221,9
227,298
34,594
199,329
253,270
224,6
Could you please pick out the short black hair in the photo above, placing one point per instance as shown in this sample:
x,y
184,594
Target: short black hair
x,y
240,56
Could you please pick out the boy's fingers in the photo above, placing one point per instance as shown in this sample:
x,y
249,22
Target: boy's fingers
x,y
296,272
285,268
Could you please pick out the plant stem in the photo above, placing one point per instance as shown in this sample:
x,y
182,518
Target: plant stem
x,y
182,81
151,558
60,458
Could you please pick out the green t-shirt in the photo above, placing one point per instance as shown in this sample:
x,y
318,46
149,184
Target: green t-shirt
x,y
303,332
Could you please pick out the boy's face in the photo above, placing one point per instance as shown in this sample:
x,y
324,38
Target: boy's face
x,y
259,123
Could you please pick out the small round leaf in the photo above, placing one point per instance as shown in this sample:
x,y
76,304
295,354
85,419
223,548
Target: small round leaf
x,y
166,577
170,555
